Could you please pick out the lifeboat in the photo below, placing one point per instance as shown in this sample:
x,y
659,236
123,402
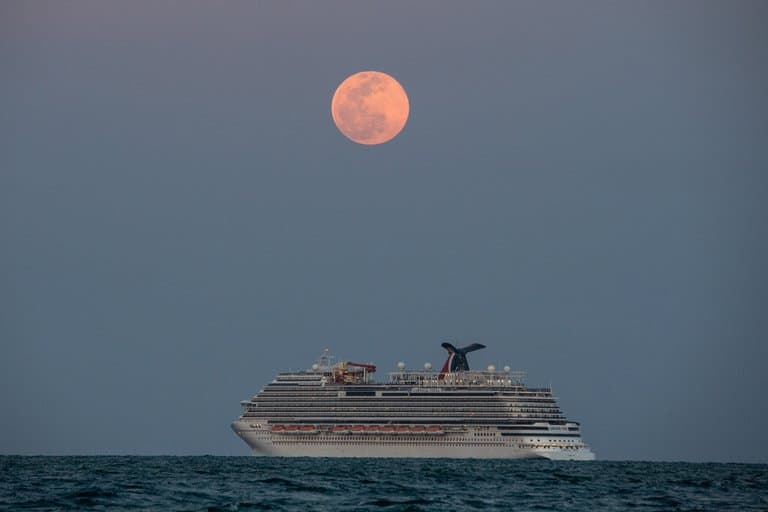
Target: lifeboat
x,y
387,429
402,429
372,429
340,429
419,429
291,429
357,429
435,430
278,428
308,429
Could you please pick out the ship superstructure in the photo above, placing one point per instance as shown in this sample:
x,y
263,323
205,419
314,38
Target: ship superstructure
x,y
338,410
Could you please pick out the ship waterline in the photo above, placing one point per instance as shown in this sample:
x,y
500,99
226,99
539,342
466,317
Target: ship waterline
x,y
339,411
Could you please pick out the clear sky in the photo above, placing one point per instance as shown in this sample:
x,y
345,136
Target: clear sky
x,y
580,186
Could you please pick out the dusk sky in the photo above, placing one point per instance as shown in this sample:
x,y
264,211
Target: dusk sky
x,y
580,186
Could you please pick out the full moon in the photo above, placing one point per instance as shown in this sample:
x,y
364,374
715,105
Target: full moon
x,y
370,107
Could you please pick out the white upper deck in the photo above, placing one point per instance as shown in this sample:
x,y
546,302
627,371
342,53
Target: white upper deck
x,y
325,372
470,378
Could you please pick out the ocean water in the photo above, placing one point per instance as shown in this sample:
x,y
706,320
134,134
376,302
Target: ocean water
x,y
254,483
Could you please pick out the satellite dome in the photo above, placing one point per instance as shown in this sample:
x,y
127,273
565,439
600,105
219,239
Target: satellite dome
x,y
427,366
401,365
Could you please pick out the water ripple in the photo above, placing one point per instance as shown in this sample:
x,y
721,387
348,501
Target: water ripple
x,y
251,483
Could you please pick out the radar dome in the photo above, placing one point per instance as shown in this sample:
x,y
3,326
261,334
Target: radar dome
x,y
507,369
401,365
315,366
427,366
491,368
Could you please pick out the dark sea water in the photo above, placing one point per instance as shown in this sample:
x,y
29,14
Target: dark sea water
x,y
253,483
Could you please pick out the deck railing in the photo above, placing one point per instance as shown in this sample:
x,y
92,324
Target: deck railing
x,y
469,379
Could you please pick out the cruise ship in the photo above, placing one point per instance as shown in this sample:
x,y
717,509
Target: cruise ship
x,y
339,410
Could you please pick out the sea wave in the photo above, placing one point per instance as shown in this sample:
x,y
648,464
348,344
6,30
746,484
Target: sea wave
x,y
260,483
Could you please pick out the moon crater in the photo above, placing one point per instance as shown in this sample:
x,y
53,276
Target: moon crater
x,y
370,107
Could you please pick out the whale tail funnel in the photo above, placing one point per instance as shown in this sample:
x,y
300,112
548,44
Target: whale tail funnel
x,y
457,358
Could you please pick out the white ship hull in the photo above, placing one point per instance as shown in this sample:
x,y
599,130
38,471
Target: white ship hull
x,y
340,411
460,446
